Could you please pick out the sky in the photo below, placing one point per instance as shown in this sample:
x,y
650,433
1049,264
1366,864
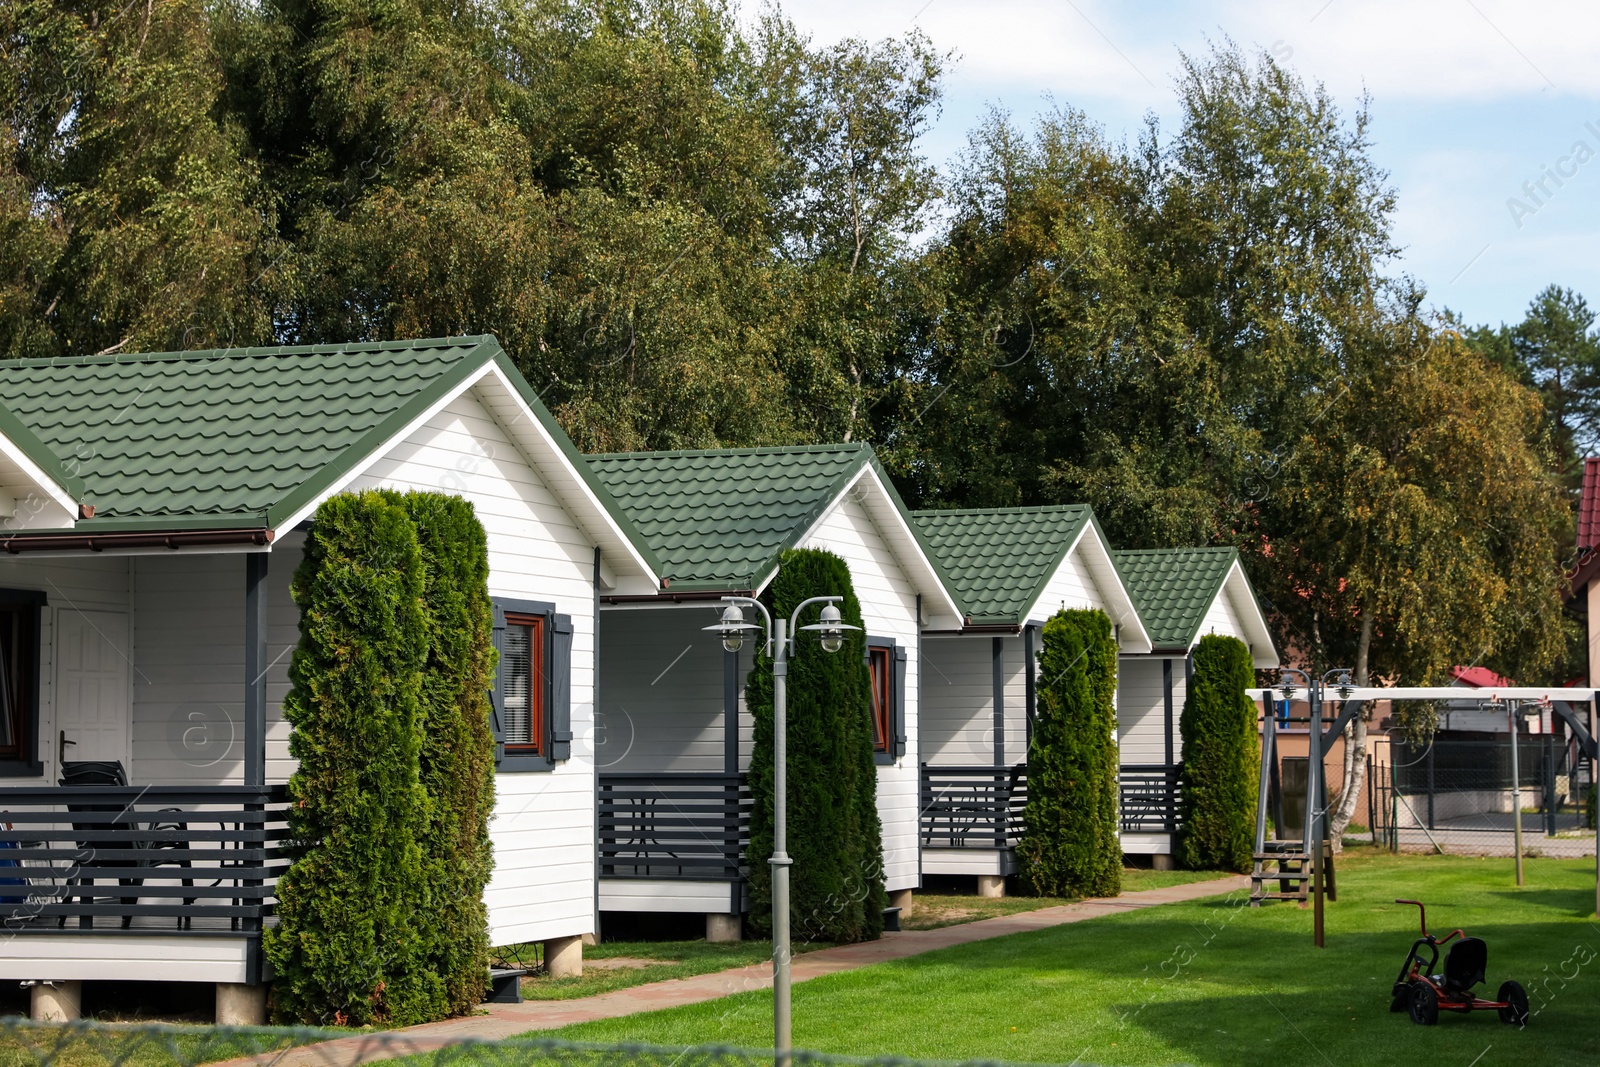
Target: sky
x,y
1469,99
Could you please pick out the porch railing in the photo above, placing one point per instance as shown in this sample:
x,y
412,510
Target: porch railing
x,y
175,858
1149,795
693,826
973,807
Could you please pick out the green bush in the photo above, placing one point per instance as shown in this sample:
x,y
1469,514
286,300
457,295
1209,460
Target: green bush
x,y
835,838
347,948
1221,759
1069,845
457,756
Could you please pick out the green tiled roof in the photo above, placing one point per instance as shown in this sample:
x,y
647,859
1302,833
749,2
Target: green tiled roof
x,y
236,438
718,519
997,560
1174,588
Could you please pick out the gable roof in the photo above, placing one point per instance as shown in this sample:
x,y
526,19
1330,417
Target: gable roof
x,y
718,519
999,561
253,438
1176,587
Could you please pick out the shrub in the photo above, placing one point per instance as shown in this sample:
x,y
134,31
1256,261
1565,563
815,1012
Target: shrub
x,y
1221,759
1069,845
835,838
457,755
346,948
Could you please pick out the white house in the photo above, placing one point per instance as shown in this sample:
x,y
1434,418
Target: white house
x,y
675,738
155,508
1183,594
1010,569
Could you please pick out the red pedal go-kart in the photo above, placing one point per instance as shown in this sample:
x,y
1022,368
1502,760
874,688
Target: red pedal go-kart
x,y
1425,994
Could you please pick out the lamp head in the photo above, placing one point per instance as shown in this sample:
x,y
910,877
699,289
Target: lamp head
x,y
832,632
732,628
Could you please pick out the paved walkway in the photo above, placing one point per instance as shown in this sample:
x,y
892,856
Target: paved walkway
x,y
508,1020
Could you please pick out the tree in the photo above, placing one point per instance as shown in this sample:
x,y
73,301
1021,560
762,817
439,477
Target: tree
x,y
1555,349
346,947
1069,846
456,758
1221,757
131,216
1429,526
835,838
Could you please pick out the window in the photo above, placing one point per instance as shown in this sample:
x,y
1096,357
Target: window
x,y
532,699
19,681
880,664
523,668
886,672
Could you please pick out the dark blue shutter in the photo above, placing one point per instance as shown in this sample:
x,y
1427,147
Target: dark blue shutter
x,y
899,714
497,695
561,688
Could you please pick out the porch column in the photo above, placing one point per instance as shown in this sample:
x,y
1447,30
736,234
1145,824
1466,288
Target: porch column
x,y
730,712
1166,695
999,657
1030,662
255,667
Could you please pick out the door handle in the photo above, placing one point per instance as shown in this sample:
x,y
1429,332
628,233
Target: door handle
x,y
61,749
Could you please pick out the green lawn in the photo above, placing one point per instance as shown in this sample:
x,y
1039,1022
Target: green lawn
x,y
934,910
1213,982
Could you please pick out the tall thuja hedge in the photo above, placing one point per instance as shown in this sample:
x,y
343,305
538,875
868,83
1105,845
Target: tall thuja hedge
x,y
835,838
457,755
1221,759
347,947
1069,845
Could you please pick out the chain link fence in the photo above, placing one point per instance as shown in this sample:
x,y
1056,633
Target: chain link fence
x,y
1461,796
94,1044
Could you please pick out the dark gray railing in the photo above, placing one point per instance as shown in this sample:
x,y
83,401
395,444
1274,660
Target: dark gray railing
x,y
1149,795
673,825
140,857
973,807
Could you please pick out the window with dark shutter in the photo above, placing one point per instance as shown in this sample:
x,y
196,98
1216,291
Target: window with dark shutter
x,y
523,675
880,665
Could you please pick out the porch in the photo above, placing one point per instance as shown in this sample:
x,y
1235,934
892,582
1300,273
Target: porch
x,y
972,821
1149,797
672,745
117,877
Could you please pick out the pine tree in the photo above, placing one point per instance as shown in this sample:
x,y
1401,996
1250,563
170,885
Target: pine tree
x,y
834,834
1221,759
1069,845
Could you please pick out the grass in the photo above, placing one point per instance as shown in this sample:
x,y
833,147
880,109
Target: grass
x,y
657,961
935,910
1209,983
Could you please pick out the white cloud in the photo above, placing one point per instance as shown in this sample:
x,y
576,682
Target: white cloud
x,y
1431,50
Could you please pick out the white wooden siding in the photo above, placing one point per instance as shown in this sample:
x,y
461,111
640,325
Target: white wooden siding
x,y
958,700
543,827
888,609
1071,586
1141,710
1222,618
661,701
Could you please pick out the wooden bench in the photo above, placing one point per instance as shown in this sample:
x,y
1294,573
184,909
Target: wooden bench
x,y
505,985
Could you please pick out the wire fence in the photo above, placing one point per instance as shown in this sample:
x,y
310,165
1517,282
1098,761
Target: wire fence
x,y
24,1043
1464,796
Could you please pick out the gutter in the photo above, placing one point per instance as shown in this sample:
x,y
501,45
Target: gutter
x,y
699,597
53,542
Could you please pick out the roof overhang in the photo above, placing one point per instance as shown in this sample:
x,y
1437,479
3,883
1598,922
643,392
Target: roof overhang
x,y
888,514
1132,637
501,391
1236,587
36,491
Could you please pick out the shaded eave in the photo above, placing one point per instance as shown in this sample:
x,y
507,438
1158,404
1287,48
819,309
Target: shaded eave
x,y
22,447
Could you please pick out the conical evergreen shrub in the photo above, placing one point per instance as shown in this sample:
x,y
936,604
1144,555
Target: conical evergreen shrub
x,y
1221,759
346,948
835,837
457,755
1070,845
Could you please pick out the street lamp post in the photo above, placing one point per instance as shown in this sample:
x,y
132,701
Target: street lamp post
x,y
830,629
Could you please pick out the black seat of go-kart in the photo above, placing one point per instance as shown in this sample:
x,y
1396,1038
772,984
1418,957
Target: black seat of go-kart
x,y
1464,966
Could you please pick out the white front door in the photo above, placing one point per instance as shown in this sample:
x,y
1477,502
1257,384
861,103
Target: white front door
x,y
92,711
